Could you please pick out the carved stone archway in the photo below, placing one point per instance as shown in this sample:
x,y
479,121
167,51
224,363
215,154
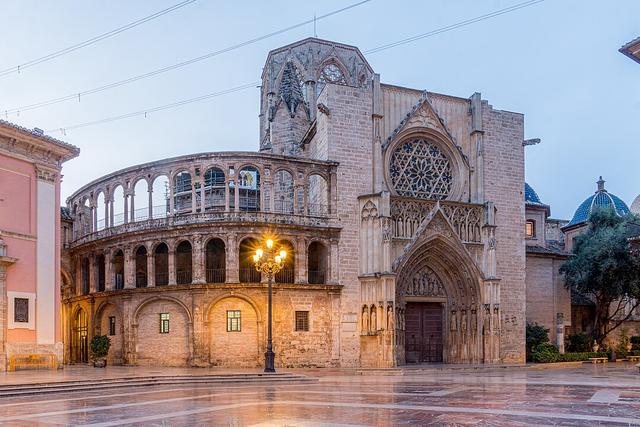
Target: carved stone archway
x,y
436,268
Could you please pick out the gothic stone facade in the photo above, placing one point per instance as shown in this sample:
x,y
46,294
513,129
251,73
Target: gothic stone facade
x,y
403,211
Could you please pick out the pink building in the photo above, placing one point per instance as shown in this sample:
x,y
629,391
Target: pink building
x,y
30,166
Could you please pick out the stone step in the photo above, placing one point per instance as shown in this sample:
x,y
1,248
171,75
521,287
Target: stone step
x,y
111,383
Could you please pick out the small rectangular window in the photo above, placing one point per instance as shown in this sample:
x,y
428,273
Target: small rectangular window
x,y
530,229
112,325
21,310
233,320
302,320
164,323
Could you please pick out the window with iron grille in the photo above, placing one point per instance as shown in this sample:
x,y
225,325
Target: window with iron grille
x,y
164,323
112,325
302,320
21,310
233,320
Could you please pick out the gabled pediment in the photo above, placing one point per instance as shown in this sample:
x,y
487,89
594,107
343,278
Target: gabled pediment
x,y
436,227
422,115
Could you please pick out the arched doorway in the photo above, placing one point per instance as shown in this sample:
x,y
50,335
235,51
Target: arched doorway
x,y
233,334
438,299
79,337
162,334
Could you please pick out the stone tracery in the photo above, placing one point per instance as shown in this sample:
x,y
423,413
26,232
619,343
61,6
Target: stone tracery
x,y
418,168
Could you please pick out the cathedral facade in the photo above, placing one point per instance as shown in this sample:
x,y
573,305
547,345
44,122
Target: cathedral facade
x,y
403,212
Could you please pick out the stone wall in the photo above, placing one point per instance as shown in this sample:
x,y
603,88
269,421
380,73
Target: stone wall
x,y
349,140
504,186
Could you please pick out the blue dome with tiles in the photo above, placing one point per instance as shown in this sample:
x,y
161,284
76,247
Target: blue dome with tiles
x,y
601,199
530,195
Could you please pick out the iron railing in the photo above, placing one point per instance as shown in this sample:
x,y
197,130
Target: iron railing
x,y
216,275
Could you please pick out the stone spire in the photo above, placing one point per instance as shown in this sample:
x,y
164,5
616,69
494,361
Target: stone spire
x,y
290,91
600,183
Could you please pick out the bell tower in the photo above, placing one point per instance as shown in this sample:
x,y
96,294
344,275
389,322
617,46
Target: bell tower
x,y
292,79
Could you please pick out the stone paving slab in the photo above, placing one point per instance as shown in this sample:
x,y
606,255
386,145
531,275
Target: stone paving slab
x,y
575,396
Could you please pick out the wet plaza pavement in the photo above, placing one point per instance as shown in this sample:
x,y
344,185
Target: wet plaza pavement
x,y
570,396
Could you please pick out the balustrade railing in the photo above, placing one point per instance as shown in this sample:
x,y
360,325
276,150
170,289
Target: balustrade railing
x,y
141,280
183,277
316,277
162,279
249,275
284,276
216,275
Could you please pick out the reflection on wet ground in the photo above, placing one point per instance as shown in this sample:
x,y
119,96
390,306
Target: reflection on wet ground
x,y
577,396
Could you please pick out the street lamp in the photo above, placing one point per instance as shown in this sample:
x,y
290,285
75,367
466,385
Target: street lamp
x,y
269,261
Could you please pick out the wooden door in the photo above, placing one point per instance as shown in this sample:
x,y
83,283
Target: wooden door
x,y
423,332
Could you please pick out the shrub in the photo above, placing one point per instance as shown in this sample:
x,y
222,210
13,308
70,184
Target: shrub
x,y
635,340
100,346
536,335
545,353
578,343
579,357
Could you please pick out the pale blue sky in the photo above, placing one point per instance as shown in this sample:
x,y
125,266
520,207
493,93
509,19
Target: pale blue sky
x,y
557,62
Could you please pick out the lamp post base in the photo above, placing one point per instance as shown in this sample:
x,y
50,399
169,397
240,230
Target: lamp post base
x,y
269,361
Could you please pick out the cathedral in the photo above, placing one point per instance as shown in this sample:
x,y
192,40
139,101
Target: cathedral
x,y
412,236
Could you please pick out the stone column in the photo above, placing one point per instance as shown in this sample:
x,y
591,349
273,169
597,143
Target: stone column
x,y
93,282
94,216
333,262
300,273
111,214
126,208
107,223
150,193
108,274
197,261
172,202
226,195
151,274
203,195
132,196
194,202
172,264
129,269
231,261
236,195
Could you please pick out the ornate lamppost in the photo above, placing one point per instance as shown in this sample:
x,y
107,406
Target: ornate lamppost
x,y
269,261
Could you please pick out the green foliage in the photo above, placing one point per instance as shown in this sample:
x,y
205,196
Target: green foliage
x,y
604,269
536,335
635,342
545,353
621,348
100,346
579,342
580,357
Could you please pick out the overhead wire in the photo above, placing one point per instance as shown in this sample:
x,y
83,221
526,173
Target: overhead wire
x,y
93,40
374,50
79,95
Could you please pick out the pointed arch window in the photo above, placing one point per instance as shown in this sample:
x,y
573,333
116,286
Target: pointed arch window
x,y
330,73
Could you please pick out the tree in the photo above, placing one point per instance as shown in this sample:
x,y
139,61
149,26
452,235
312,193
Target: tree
x,y
606,270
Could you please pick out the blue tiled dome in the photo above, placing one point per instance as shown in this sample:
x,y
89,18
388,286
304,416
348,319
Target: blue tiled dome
x,y
601,199
530,195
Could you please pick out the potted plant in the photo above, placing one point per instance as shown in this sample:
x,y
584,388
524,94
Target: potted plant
x,y
99,349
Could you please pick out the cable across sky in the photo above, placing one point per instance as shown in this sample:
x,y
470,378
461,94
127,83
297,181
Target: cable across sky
x,y
79,95
93,40
249,85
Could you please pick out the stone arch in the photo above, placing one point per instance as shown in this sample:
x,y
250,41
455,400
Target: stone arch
x,y
234,330
152,345
105,310
454,301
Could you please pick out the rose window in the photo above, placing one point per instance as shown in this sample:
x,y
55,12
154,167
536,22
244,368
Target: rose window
x,y
331,73
419,169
